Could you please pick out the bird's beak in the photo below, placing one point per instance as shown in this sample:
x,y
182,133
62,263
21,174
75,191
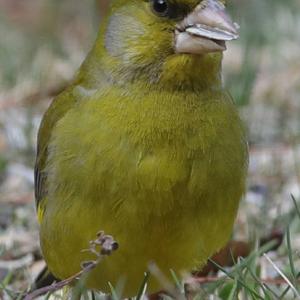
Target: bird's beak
x,y
205,29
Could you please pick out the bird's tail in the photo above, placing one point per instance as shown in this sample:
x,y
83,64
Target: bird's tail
x,y
45,278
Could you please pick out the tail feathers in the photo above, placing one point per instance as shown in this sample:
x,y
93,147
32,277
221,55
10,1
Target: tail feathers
x,y
45,278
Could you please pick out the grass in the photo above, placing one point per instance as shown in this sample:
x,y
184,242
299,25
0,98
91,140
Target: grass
x,y
42,44
245,280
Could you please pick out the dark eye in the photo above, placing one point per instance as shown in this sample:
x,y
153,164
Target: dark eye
x,y
160,7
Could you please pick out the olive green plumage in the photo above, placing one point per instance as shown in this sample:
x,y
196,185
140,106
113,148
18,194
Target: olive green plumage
x,y
144,144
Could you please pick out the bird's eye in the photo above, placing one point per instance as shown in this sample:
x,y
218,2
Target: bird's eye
x,y
160,7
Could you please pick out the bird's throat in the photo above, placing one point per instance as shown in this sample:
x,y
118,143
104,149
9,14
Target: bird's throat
x,y
192,72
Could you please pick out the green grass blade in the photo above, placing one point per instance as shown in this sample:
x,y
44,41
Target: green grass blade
x,y
114,294
178,283
238,279
296,206
143,285
290,253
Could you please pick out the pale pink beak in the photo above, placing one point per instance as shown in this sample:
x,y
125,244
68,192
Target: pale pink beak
x,y
205,29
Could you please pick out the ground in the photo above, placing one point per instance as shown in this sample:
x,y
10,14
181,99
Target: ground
x,y
43,43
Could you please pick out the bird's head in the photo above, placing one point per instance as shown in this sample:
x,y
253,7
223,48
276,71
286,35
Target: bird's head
x,y
166,42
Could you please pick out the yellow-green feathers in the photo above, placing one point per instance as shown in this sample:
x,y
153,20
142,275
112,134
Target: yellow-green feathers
x,y
144,145
153,170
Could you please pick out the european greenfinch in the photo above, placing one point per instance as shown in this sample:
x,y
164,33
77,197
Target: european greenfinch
x,y
145,144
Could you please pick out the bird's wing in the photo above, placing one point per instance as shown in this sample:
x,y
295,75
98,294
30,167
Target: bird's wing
x,y
83,85
59,107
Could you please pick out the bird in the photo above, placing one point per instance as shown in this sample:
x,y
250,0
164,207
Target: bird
x,y
146,145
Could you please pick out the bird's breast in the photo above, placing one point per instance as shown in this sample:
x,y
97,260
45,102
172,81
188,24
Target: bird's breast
x,y
150,170
154,150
